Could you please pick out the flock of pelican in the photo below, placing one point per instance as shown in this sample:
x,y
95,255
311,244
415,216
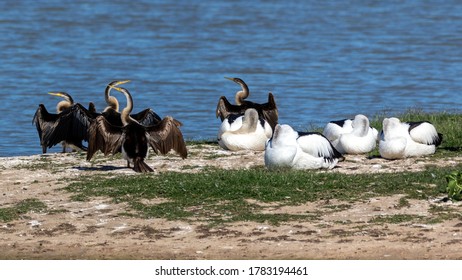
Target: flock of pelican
x,y
251,126
244,126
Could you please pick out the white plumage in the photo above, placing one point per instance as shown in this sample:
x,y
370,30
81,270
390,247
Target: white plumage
x,y
289,148
352,136
231,123
247,132
413,139
334,129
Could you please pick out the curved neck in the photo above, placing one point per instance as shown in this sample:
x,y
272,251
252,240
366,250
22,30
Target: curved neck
x,y
125,115
111,101
63,105
242,94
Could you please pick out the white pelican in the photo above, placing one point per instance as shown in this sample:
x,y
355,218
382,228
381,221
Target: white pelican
x,y
289,148
408,139
234,122
267,111
248,132
352,136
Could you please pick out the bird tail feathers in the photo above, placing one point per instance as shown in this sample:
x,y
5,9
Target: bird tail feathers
x,y
140,166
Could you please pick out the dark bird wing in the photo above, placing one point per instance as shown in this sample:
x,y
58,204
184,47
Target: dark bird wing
x,y
92,108
267,111
112,116
147,117
104,137
44,121
165,136
224,108
71,125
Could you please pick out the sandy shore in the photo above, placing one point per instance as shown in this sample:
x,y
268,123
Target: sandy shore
x,y
94,229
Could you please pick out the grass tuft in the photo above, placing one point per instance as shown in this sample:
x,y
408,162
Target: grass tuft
x,y
12,213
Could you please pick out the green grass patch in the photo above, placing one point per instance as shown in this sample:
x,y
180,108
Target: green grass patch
x,y
12,213
396,219
222,196
403,203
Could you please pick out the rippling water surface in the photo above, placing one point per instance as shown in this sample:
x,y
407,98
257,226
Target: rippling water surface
x,y
323,60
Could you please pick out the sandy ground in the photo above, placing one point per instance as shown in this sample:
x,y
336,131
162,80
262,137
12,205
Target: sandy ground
x,y
94,230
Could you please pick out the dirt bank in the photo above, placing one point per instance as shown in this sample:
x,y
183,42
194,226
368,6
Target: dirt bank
x,y
95,230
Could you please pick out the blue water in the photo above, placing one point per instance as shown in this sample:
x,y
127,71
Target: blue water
x,y
323,60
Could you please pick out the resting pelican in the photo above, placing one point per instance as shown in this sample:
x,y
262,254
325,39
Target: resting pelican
x,y
234,122
408,139
289,148
133,139
360,140
251,134
69,126
267,111
352,136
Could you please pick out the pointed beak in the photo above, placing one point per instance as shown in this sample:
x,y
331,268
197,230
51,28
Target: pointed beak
x,y
122,82
113,87
56,94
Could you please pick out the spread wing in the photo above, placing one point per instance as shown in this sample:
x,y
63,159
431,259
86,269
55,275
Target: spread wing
x,y
104,137
165,136
44,121
267,111
224,108
71,125
147,117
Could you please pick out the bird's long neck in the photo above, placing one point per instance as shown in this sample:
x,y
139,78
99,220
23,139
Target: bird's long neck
x,y
125,115
111,101
63,105
241,95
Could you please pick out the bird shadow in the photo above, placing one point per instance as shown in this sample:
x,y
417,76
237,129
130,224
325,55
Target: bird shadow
x,y
374,157
452,149
100,168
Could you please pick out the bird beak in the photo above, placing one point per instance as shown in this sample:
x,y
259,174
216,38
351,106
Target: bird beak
x,y
122,82
56,93
113,87
231,79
